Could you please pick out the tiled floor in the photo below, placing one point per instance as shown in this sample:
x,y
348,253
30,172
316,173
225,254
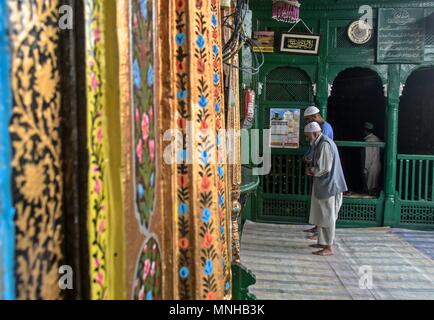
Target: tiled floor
x,y
285,268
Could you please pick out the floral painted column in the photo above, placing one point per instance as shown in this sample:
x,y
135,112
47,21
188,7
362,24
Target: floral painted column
x,y
105,219
35,135
201,213
140,174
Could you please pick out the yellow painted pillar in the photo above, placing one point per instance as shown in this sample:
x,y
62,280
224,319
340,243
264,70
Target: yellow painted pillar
x,y
105,219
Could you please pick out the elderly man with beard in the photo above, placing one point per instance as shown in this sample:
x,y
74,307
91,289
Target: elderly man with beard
x,y
328,187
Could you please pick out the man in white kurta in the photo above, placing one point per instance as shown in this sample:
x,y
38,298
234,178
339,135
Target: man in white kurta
x,y
328,187
371,162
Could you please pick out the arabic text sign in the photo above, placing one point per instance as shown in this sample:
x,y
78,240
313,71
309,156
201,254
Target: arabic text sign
x,y
300,43
401,35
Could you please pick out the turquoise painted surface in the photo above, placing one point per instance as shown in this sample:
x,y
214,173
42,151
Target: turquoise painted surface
x,y
7,227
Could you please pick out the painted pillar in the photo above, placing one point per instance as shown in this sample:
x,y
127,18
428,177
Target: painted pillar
x,y
322,84
105,221
142,177
7,226
390,214
201,214
35,135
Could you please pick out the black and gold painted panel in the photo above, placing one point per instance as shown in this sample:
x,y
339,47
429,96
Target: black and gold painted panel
x,y
35,135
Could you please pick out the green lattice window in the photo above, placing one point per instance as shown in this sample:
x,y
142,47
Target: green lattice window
x,y
289,85
360,212
292,210
417,214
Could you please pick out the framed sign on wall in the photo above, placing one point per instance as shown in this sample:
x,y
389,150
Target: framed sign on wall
x,y
284,128
300,43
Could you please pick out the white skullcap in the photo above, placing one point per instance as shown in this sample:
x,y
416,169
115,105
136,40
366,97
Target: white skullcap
x,y
311,111
369,125
312,127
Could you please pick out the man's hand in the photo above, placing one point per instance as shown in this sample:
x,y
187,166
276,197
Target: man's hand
x,y
309,171
307,159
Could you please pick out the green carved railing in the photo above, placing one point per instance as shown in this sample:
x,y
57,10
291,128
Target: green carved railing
x,y
416,177
415,190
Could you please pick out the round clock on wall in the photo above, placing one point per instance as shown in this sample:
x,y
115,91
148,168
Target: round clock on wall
x,y
360,35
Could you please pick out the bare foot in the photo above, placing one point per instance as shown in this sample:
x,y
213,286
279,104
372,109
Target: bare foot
x,y
325,252
314,237
312,230
318,246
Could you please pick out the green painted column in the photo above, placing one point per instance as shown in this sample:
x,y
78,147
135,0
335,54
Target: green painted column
x,y
322,81
390,214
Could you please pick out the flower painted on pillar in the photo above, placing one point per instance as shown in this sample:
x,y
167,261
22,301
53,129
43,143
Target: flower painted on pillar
x,y
150,76
153,268
215,49
148,277
212,295
206,215
182,155
182,209
96,35
200,42
214,20
182,95
221,200
144,9
204,157
144,125
140,191
137,115
146,269
201,66
151,144
220,171
183,180
98,186
207,240
94,84
142,293
205,184
180,39
204,126
139,150
209,267
100,278
203,102
184,243
216,78
101,228
184,273
99,135
137,77
152,180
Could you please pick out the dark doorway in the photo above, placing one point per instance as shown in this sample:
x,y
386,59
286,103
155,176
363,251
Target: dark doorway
x,y
416,114
357,97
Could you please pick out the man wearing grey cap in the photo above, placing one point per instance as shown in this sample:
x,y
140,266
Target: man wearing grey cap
x,y
371,162
328,187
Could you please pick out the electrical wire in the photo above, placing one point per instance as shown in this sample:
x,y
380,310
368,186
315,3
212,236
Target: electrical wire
x,y
240,39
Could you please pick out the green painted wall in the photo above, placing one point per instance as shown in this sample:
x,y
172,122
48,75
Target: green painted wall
x,y
328,18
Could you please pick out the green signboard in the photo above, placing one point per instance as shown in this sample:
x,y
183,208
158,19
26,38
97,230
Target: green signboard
x,y
401,35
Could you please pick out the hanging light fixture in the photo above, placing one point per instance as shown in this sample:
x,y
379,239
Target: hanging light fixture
x,y
286,10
